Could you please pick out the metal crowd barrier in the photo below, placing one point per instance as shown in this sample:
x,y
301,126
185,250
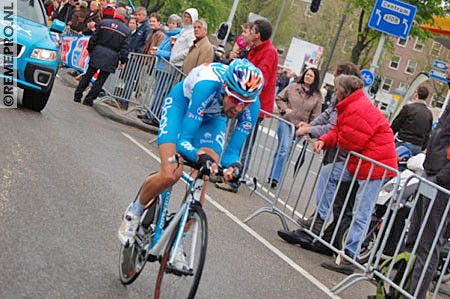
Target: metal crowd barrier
x,y
145,81
264,155
296,197
70,32
432,203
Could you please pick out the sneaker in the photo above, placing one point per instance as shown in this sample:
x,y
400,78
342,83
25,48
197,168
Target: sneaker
x,y
344,267
225,186
76,100
179,262
128,227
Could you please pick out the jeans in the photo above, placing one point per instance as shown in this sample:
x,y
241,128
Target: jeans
x,y
362,209
284,140
415,149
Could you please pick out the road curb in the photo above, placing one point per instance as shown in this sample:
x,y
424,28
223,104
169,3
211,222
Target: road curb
x,y
112,113
108,111
67,79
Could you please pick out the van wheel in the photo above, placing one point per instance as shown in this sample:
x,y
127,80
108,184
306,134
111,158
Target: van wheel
x,y
35,100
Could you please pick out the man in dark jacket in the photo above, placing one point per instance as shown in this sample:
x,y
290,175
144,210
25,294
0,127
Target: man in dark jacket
x,y
143,31
106,48
437,170
413,123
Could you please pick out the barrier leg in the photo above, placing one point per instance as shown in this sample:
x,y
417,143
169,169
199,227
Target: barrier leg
x,y
348,282
271,211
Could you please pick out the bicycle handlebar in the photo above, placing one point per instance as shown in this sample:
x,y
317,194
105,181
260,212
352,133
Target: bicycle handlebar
x,y
177,158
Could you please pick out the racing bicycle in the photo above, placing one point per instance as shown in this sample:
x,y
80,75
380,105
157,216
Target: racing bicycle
x,y
160,233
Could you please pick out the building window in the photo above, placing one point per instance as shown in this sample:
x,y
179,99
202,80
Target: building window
x,y
435,49
411,67
402,42
418,45
387,84
395,62
402,85
347,47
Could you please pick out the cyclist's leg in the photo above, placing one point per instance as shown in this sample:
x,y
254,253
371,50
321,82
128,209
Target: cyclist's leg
x,y
168,175
174,109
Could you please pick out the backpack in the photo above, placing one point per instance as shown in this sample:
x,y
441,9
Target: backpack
x,y
398,271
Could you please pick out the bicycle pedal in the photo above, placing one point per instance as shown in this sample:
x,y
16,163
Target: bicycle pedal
x,y
179,272
152,258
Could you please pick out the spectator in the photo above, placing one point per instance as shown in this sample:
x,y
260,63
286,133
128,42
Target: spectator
x,y
243,43
74,5
78,17
165,48
156,37
92,18
143,31
298,102
61,12
282,81
437,170
318,127
50,6
413,123
328,96
164,73
184,41
360,127
106,48
265,57
132,25
103,5
201,51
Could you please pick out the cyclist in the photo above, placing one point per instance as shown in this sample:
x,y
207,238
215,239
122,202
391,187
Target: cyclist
x,y
193,123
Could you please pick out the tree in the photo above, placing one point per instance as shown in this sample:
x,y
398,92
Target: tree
x,y
366,37
213,11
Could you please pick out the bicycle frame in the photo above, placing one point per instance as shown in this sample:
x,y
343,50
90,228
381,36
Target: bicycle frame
x,y
162,235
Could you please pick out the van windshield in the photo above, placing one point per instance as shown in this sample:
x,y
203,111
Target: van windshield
x,y
31,10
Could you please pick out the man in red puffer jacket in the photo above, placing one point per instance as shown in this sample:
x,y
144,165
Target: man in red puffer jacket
x,y
360,127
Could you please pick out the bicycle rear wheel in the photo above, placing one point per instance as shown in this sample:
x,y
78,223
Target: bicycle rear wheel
x,y
173,284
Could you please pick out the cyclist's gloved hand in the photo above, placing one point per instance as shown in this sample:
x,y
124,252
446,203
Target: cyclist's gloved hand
x,y
234,172
204,163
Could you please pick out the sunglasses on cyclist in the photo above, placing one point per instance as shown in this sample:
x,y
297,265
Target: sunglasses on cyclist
x,y
237,100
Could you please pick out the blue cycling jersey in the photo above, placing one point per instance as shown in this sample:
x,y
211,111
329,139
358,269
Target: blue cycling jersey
x,y
192,116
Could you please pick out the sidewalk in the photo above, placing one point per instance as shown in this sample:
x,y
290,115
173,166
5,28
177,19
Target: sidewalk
x,y
128,118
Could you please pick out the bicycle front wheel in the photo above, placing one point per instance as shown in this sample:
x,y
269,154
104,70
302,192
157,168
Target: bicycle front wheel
x,y
175,284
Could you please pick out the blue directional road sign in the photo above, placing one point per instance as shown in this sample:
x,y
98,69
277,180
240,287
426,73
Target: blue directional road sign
x,y
393,17
368,77
439,72
440,65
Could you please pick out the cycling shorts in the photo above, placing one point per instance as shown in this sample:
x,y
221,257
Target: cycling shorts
x,y
173,118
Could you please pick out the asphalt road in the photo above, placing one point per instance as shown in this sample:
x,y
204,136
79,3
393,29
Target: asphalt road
x,y
66,176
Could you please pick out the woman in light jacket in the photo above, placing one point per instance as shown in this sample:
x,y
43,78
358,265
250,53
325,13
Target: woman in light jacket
x,y
298,102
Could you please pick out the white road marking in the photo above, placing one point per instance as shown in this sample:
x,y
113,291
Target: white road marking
x,y
257,236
